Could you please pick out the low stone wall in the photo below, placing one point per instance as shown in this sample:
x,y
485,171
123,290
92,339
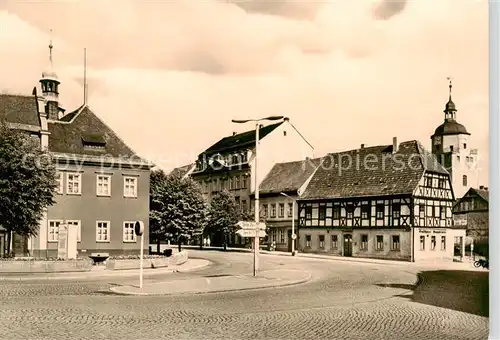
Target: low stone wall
x,y
174,260
40,266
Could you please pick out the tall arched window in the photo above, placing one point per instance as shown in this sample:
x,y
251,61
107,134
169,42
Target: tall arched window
x,y
464,180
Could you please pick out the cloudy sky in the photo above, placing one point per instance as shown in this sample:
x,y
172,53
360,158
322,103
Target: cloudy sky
x,y
168,76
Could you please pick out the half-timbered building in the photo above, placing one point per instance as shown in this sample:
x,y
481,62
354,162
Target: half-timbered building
x,y
389,202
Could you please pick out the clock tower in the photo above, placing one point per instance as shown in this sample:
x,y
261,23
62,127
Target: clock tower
x,y
450,144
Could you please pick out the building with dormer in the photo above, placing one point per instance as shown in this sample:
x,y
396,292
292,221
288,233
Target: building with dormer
x,y
451,145
388,202
103,184
230,163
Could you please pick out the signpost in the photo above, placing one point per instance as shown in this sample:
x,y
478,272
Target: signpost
x,y
139,231
255,230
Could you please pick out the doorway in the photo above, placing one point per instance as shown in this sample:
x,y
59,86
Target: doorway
x,y
347,245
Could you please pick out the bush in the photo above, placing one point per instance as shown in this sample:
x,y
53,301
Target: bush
x,y
134,257
41,259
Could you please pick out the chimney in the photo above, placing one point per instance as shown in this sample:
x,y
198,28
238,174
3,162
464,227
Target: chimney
x,y
394,144
234,133
481,187
52,110
362,146
261,126
286,119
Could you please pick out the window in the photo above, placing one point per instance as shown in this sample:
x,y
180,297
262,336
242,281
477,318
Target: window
x,y
231,186
465,145
54,230
322,212
336,211
380,211
282,236
102,231
364,242
396,210
429,182
442,212
308,212
244,205
60,182
244,181
433,242
443,242
129,232
350,210
78,229
273,210
290,209
380,242
237,200
422,242
73,184
103,185
441,183
282,210
237,182
322,241
421,210
265,210
365,211
464,180
451,148
130,187
395,245
335,241
308,241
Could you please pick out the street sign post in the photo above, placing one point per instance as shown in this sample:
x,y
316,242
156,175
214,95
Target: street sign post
x,y
250,233
139,231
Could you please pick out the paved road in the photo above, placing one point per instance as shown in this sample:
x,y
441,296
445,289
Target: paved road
x,y
343,301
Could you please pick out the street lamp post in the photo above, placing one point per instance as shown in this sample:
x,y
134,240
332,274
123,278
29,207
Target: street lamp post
x,y
256,210
293,222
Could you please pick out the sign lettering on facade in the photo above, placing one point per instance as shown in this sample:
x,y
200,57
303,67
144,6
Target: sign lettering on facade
x,y
432,231
460,220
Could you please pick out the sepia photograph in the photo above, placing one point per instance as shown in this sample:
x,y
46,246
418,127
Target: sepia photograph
x,y
247,169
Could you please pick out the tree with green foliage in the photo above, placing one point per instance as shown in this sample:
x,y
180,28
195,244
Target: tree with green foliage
x,y
224,213
27,183
177,207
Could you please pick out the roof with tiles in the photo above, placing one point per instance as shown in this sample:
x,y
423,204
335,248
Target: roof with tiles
x,y
181,171
78,137
485,194
241,140
289,176
19,109
371,171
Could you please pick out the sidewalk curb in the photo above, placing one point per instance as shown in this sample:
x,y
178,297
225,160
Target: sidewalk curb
x,y
100,275
273,286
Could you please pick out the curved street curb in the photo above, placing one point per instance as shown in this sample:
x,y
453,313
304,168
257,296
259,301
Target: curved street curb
x,y
101,275
272,286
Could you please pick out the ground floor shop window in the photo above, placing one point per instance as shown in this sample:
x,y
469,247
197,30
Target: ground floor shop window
x,y
433,242
380,242
422,242
443,242
335,241
364,242
395,245
308,241
322,241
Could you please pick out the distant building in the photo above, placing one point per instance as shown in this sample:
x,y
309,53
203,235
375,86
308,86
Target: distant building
x,y
277,209
103,185
451,145
472,212
388,202
230,163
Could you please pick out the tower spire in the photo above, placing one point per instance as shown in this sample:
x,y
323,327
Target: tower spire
x,y
450,86
50,48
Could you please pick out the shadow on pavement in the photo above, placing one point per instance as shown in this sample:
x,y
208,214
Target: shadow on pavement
x,y
460,290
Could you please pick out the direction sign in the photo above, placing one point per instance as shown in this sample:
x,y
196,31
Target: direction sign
x,y
250,233
250,225
294,236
